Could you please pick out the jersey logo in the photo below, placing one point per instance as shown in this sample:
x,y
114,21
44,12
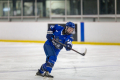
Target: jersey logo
x,y
70,42
51,26
56,30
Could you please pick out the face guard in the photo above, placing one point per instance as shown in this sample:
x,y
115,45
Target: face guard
x,y
69,30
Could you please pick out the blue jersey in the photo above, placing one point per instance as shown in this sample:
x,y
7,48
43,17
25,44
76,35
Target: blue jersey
x,y
59,36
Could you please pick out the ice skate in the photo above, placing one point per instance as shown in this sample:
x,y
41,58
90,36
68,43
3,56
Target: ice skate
x,y
39,74
47,74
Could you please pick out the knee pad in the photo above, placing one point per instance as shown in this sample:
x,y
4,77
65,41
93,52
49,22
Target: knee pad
x,y
52,59
43,68
49,64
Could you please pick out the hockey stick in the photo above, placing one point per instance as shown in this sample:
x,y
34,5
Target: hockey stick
x,y
83,54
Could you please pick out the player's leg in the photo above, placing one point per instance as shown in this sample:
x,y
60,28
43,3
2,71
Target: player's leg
x,y
47,67
42,69
43,66
50,63
50,60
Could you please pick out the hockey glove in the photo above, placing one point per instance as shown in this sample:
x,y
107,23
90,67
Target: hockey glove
x,y
50,35
68,46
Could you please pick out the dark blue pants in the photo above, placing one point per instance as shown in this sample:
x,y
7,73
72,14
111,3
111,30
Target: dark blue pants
x,y
50,59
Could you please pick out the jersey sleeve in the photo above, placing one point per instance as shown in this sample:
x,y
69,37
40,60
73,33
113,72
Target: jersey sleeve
x,y
69,39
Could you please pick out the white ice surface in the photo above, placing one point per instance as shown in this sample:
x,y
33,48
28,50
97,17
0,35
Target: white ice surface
x,y
20,61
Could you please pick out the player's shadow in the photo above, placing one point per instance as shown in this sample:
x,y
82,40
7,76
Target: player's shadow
x,y
45,78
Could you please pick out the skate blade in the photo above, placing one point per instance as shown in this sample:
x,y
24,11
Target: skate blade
x,y
39,75
48,77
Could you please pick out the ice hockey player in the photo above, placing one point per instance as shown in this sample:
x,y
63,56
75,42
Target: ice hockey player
x,y
52,48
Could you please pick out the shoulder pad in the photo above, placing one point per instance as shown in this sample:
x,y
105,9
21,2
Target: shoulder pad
x,y
59,27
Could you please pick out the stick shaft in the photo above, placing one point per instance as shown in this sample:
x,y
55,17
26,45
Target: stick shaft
x,y
71,48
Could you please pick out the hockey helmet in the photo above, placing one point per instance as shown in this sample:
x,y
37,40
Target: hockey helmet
x,y
69,24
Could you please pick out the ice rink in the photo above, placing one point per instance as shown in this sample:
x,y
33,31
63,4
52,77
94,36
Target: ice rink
x,y
20,61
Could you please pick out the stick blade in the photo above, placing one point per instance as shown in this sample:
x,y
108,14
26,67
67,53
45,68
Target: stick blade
x,y
84,52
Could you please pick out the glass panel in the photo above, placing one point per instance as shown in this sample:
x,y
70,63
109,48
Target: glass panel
x,y
118,6
47,8
43,19
89,7
106,19
90,19
73,7
3,20
58,19
1,8
29,20
77,19
4,8
42,6
28,7
15,19
107,7
4,0
118,19
57,7
40,9
43,10
15,7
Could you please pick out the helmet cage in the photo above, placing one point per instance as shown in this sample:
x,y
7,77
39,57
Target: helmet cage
x,y
67,32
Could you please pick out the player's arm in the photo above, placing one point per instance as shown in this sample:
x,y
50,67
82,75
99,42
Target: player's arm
x,y
50,32
68,43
